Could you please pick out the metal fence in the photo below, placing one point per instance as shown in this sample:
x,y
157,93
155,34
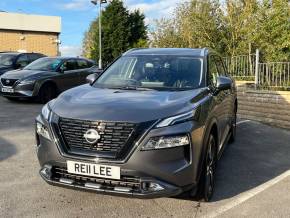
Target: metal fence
x,y
274,75
241,67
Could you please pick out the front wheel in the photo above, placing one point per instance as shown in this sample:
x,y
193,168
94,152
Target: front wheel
x,y
207,180
46,93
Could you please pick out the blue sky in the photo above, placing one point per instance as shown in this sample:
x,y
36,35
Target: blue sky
x,y
76,15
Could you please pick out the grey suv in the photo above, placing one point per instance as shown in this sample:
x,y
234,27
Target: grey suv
x,y
153,124
45,78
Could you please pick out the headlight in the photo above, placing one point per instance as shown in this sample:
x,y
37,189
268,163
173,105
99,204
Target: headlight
x,y
176,119
45,112
42,130
166,142
27,82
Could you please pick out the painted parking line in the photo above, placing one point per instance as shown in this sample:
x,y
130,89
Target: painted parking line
x,y
243,121
247,195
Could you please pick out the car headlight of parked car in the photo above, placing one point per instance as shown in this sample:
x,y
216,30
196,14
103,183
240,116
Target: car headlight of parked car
x,y
45,112
27,82
166,142
41,129
170,141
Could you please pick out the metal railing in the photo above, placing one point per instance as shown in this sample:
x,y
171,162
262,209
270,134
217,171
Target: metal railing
x,y
241,67
275,75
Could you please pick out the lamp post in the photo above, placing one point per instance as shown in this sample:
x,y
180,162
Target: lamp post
x,y
95,2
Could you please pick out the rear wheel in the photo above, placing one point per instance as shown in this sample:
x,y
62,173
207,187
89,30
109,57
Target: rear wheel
x,y
46,93
207,180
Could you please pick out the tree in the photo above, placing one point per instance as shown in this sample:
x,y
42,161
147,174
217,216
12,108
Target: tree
x,y
197,23
121,30
241,26
88,40
138,30
234,27
274,32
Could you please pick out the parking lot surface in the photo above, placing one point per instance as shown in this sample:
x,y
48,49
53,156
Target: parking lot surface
x,y
253,178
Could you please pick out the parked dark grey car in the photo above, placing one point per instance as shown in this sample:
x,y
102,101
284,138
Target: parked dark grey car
x,y
45,78
153,124
14,60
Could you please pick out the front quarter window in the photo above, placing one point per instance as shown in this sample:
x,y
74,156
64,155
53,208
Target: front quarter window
x,y
162,72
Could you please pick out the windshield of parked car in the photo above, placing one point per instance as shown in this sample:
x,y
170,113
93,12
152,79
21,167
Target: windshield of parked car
x,y
161,72
7,59
44,64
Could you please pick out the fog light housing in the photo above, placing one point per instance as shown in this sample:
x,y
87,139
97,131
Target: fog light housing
x,y
42,130
166,142
151,186
46,171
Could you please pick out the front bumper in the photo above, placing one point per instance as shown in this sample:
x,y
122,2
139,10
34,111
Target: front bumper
x,y
20,91
111,187
174,169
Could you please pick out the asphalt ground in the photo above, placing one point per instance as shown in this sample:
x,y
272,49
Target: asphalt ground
x,y
253,178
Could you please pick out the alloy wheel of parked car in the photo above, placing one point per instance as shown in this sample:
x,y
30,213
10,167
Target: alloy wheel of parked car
x,y
46,93
210,167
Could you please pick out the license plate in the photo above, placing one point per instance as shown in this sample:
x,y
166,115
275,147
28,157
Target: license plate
x,y
94,170
7,90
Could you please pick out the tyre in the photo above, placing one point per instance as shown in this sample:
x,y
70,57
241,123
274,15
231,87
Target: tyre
x,y
233,130
207,181
46,93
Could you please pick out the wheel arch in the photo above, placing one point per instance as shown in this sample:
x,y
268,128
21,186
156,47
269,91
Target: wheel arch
x,y
211,128
46,82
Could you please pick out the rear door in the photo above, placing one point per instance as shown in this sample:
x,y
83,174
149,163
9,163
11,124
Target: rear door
x,y
68,75
84,70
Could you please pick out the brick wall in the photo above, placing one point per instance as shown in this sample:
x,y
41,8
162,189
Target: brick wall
x,y
29,41
271,107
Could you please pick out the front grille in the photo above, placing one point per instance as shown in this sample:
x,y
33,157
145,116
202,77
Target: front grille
x,y
8,82
133,183
113,135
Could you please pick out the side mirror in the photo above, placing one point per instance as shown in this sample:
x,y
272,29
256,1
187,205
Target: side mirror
x,y
91,78
223,83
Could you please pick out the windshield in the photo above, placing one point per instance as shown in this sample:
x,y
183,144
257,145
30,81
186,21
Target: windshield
x,y
44,64
161,72
7,59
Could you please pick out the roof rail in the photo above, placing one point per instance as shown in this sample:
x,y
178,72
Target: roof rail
x,y
132,49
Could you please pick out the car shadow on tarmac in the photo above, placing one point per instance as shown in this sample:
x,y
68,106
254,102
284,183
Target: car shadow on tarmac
x,y
18,114
6,149
259,154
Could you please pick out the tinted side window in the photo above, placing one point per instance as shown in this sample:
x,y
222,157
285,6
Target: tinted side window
x,y
33,57
90,64
82,64
69,65
22,61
